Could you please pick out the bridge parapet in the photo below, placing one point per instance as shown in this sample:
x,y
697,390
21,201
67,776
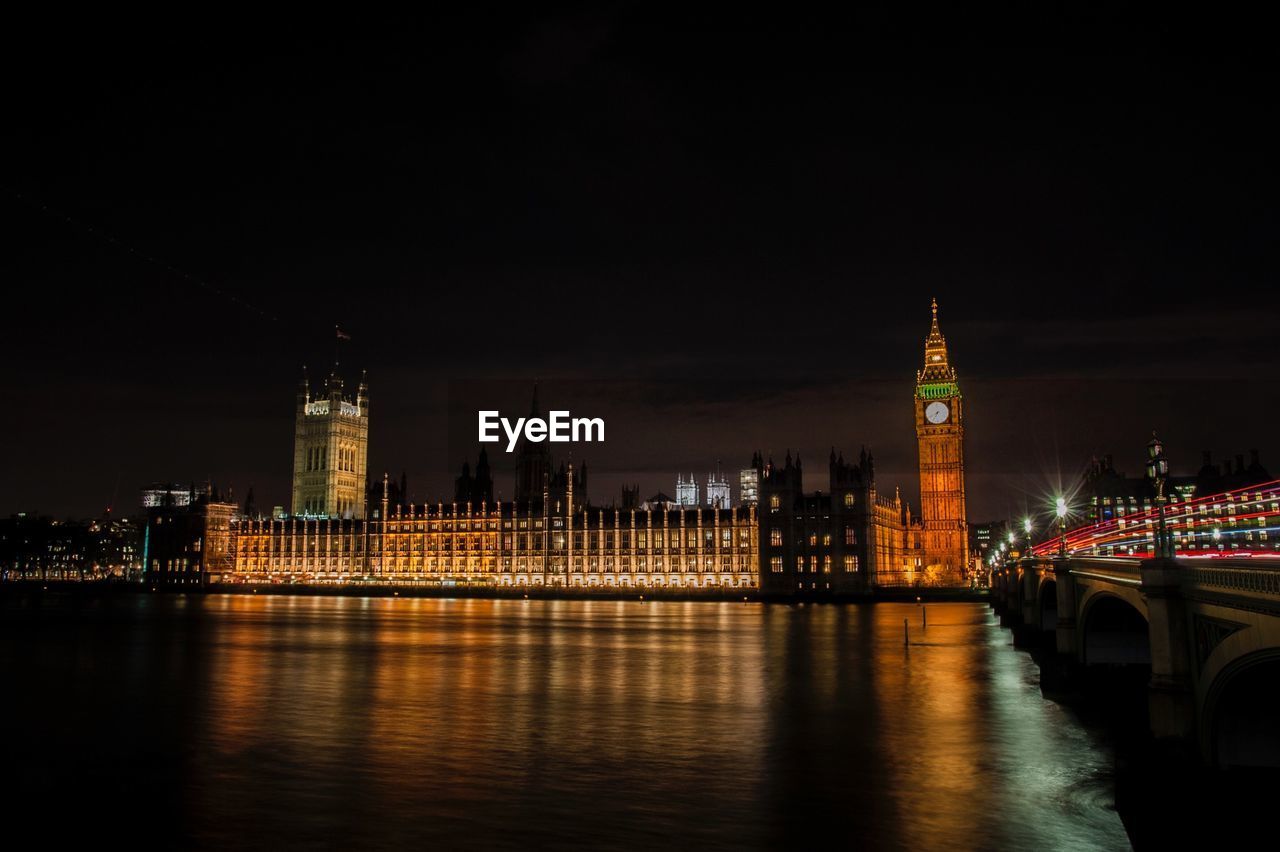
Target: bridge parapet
x,y
1236,575
1124,571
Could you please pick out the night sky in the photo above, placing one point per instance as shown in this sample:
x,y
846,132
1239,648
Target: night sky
x,y
723,232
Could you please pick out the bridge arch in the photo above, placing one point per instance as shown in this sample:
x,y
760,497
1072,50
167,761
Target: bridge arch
x,y
1113,629
1047,606
1237,718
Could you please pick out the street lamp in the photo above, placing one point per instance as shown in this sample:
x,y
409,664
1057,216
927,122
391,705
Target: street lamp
x,y
1158,471
1026,527
1062,527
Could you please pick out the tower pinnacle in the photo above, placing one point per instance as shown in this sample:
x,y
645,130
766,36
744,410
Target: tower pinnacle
x,y
936,365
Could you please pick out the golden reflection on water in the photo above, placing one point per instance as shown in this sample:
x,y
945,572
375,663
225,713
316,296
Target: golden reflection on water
x,y
627,724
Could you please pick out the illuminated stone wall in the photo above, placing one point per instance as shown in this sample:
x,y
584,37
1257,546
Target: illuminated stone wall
x,y
449,545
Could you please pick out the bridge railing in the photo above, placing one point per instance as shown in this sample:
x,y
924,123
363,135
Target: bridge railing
x,y
1253,578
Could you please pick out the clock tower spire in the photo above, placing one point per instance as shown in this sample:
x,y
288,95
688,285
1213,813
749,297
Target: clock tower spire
x,y
940,438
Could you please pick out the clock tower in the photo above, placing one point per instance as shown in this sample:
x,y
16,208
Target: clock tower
x,y
940,437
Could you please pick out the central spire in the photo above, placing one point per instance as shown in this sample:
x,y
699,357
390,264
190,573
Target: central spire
x,y
935,345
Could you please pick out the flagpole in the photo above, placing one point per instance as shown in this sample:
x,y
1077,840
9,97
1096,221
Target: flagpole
x,y
338,336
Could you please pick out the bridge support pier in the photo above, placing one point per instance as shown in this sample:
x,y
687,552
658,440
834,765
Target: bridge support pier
x,y
1030,597
1065,631
1012,602
1171,700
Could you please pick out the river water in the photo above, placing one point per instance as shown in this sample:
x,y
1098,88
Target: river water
x,y
328,722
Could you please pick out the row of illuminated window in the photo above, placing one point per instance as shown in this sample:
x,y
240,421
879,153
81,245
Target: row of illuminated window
x,y
1190,521
463,525
508,563
849,564
850,537
642,540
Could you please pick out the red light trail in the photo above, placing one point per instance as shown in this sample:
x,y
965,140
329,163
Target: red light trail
x,y
1134,534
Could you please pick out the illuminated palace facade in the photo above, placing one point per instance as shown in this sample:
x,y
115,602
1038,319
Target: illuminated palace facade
x,y
549,535
501,545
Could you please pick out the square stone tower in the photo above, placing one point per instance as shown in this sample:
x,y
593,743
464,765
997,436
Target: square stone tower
x,y
330,450
940,437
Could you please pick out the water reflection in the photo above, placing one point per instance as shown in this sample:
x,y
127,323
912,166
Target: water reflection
x,y
382,722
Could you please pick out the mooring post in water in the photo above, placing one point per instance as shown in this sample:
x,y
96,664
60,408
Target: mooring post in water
x,y
906,633
924,617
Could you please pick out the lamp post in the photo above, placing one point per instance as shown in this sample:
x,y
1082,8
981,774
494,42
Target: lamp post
x,y
1062,527
1158,471
1026,528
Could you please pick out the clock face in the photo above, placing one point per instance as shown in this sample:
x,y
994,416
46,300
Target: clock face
x,y
937,412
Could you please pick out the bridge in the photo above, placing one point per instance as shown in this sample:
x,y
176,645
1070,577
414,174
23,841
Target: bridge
x,y
1208,628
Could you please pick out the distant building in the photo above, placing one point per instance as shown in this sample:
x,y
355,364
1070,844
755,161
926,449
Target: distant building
x,y
330,450
985,539
183,546
1228,508
41,548
686,491
539,482
397,493
749,486
475,489
719,496
659,502
166,494
1107,493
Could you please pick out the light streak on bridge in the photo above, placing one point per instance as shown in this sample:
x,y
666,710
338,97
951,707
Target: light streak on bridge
x,y
1230,523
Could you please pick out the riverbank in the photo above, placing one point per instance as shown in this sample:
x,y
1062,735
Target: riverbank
x,y
1164,791
95,587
